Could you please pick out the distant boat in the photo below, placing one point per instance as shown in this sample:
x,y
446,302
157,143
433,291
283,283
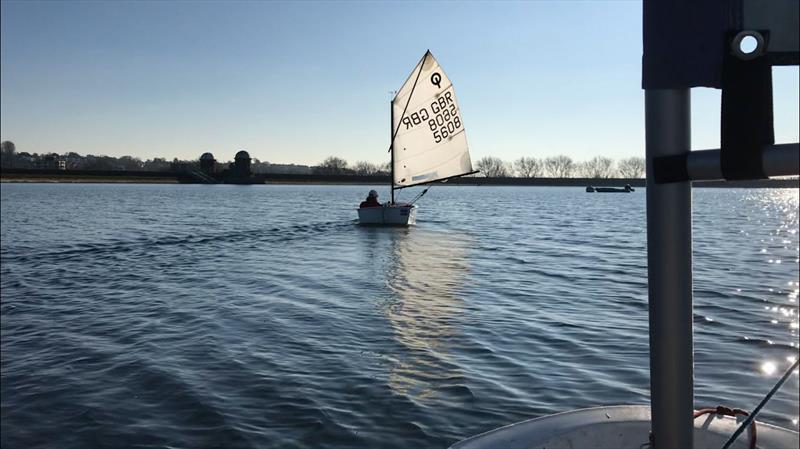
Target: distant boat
x,y
428,142
626,189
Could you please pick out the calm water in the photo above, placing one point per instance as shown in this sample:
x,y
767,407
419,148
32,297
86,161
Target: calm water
x,y
263,316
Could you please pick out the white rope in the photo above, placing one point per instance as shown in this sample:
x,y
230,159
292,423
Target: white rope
x,y
420,195
764,401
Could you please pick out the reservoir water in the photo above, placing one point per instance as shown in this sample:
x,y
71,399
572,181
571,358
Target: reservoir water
x,y
263,316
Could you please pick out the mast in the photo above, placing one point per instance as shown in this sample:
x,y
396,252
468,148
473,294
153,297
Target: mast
x,y
391,147
393,131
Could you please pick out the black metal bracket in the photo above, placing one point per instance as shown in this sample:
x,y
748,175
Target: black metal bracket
x,y
746,119
671,168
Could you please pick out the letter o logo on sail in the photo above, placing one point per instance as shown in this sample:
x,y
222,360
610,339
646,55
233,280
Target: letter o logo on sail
x,y
436,79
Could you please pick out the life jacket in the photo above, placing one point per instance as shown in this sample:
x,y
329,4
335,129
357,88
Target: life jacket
x,y
370,202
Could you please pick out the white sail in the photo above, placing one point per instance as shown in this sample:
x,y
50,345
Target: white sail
x,y
430,143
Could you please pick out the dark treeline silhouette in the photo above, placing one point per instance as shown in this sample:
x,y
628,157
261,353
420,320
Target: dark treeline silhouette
x,y
11,158
525,167
337,166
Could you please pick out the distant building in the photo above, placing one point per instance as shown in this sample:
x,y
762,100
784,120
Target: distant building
x,y
238,172
241,164
207,163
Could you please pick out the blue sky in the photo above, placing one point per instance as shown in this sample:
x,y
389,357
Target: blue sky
x,y
296,82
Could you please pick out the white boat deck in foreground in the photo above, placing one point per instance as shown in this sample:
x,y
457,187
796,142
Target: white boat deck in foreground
x,y
619,427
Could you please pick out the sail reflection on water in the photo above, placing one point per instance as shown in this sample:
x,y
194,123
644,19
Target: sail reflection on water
x,y
425,276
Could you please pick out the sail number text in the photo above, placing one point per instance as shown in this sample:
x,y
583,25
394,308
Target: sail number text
x,y
443,119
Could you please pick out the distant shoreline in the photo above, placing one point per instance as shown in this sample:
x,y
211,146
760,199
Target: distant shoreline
x,y
141,177
85,180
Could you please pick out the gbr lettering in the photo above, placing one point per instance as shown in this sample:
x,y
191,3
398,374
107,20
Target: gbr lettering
x,y
443,120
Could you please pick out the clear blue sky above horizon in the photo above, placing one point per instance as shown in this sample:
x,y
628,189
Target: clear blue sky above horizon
x,y
296,82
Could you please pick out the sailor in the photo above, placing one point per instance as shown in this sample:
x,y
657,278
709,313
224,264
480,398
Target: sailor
x,y
371,201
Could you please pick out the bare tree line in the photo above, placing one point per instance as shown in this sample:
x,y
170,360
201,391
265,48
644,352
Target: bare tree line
x,y
525,167
562,167
333,165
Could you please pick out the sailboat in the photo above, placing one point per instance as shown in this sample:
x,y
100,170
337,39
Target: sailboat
x,y
428,141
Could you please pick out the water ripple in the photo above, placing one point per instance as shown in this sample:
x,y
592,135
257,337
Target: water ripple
x,y
230,316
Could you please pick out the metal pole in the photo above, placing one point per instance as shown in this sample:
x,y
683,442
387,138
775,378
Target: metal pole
x,y
391,146
669,270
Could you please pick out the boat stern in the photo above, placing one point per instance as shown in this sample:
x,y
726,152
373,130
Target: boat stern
x,y
394,215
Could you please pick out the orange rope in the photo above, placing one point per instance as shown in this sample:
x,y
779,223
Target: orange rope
x,y
726,411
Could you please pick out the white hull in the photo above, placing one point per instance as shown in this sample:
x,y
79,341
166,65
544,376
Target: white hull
x,y
619,427
400,214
